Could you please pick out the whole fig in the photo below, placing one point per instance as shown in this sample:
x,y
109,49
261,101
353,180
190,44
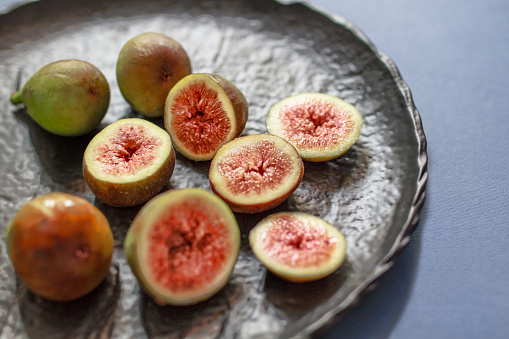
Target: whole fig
x,y
66,97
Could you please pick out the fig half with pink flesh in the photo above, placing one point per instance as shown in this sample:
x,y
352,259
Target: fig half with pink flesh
x,y
128,162
297,246
256,173
203,112
321,127
182,246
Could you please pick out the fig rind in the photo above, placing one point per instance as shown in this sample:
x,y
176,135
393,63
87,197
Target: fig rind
x,y
317,148
126,190
148,66
135,245
253,202
258,239
66,97
60,245
234,105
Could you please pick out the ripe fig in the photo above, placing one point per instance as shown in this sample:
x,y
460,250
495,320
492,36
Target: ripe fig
x,y
128,162
148,66
182,246
256,173
320,126
297,246
203,112
60,246
66,97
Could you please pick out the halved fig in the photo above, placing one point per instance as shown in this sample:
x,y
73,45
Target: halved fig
x,y
256,173
321,127
203,112
128,162
297,246
148,66
60,246
182,246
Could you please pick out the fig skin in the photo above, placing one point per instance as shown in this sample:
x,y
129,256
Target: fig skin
x,y
66,97
321,134
253,202
136,242
135,189
234,105
297,240
60,246
148,66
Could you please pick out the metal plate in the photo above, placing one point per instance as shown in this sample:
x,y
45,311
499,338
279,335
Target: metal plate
x,y
269,50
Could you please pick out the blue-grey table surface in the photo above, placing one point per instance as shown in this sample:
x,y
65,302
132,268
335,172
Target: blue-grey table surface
x,y
452,280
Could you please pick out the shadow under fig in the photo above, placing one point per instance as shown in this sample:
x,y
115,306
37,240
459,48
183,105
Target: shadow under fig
x,y
91,316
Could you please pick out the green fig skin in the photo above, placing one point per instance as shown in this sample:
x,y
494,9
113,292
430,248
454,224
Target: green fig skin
x,y
66,97
148,66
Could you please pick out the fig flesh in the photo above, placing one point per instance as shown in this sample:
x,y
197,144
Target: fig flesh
x,y
128,162
321,127
66,97
60,246
256,173
182,246
148,66
298,247
203,112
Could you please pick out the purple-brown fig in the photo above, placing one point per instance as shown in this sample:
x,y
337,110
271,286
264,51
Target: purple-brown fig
x,y
256,173
203,112
298,247
60,246
320,126
128,162
148,66
182,246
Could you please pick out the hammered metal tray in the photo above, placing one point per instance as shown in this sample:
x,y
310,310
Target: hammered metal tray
x,y
270,50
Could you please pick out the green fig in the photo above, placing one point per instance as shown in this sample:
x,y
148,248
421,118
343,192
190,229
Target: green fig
x,y
66,97
148,66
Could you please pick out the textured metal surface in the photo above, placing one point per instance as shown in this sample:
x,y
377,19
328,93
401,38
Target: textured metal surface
x,y
270,51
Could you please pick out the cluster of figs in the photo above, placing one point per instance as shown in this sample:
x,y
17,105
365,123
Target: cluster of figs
x,y
183,244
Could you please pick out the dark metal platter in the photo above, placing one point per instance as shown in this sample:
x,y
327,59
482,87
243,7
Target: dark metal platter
x,y
269,50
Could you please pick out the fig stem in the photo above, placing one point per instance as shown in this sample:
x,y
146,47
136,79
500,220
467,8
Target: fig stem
x,y
16,98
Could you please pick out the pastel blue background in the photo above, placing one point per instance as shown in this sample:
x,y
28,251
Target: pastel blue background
x,y
452,280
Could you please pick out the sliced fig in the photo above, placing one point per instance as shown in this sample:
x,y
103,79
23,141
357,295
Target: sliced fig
x,y
66,97
60,246
320,126
297,246
256,173
203,112
128,162
182,246
148,66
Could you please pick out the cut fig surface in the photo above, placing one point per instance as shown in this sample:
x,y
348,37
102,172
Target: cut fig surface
x,y
128,162
321,127
60,245
148,66
298,246
182,246
203,112
256,173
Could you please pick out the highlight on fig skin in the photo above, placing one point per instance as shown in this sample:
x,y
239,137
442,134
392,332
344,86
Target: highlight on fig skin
x,y
182,246
298,247
320,126
60,245
148,66
256,173
203,112
128,162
